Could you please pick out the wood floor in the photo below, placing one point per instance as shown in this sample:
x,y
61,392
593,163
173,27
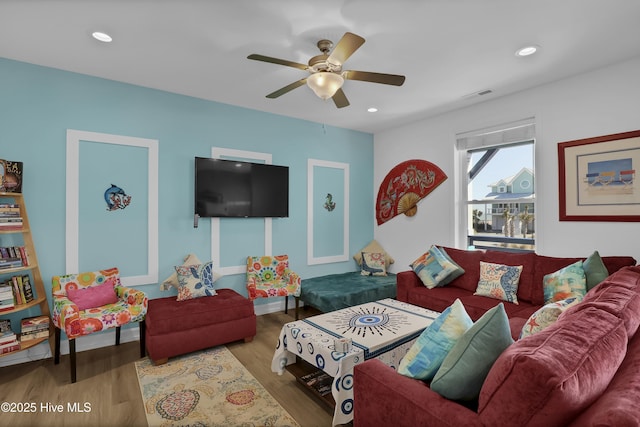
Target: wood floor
x,y
107,382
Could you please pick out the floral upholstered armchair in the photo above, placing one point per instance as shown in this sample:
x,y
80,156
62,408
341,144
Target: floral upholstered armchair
x,y
270,276
94,301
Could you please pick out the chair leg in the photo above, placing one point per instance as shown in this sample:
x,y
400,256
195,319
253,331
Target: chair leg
x,y
297,307
117,335
286,304
72,354
143,329
56,350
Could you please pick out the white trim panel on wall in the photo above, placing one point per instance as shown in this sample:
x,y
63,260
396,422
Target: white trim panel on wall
x,y
344,256
218,153
74,138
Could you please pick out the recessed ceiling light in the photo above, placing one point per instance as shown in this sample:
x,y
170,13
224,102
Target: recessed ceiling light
x,y
527,50
103,37
372,109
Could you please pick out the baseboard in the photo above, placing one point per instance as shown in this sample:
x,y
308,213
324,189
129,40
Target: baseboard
x,y
89,342
108,338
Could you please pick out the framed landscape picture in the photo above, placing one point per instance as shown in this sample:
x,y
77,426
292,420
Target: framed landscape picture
x,y
597,178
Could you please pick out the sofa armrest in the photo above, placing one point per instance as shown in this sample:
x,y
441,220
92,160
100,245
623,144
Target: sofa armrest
x,y
405,281
381,396
64,311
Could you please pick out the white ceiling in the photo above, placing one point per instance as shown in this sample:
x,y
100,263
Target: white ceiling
x,y
447,49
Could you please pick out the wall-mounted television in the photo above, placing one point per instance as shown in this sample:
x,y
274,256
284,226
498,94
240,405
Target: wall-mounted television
x,y
230,188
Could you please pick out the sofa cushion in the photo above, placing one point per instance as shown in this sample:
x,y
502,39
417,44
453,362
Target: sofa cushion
x,y
618,406
426,355
499,281
619,295
463,371
558,372
167,315
615,263
564,283
435,269
526,260
469,261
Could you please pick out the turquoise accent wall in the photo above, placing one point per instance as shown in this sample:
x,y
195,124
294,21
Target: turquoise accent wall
x,y
39,104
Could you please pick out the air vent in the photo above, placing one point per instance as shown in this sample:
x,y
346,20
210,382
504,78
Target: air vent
x,y
485,92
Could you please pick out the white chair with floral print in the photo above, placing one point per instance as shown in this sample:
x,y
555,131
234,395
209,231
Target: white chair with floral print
x,y
94,301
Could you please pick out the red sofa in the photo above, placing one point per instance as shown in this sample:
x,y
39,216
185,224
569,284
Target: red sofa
x,y
530,291
583,370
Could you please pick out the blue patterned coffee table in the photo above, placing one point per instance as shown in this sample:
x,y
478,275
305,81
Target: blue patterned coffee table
x,y
384,330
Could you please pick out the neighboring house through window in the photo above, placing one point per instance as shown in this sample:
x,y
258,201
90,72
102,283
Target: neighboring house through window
x,y
498,187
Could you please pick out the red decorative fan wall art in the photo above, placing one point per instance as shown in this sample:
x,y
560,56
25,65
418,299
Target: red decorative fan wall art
x,y
404,186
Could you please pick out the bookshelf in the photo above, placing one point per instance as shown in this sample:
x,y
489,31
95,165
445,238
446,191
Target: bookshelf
x,y
32,269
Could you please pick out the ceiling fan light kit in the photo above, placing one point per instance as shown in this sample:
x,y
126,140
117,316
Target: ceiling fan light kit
x,y
326,76
325,84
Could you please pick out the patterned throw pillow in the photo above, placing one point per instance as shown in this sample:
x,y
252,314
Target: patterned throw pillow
x,y
467,365
374,246
565,283
172,280
545,316
499,281
195,281
373,264
426,355
435,269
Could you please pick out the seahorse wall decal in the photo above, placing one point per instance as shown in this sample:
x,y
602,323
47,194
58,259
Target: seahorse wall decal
x,y
329,204
116,198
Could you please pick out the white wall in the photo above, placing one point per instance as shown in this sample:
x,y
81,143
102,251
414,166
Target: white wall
x,y
600,102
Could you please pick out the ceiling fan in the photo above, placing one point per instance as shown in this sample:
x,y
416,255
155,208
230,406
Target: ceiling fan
x,y
326,75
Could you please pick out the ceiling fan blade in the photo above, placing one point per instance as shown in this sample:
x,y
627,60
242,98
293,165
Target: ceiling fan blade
x,y
287,88
365,76
271,60
348,44
340,99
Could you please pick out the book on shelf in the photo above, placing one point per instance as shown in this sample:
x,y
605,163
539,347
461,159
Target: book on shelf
x,y
35,323
8,348
6,305
7,337
9,212
11,179
28,289
17,280
34,335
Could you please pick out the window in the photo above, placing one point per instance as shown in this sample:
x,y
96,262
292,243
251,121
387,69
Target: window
x,y
498,187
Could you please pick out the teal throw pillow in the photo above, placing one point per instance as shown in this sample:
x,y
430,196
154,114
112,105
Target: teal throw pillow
x,y
499,281
434,269
432,346
467,365
459,271
565,283
595,270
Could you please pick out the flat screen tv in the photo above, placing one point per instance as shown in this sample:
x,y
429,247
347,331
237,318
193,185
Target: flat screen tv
x,y
230,188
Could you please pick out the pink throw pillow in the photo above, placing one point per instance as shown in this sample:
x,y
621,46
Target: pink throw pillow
x,y
94,296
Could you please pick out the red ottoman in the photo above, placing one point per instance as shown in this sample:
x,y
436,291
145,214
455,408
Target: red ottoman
x,y
179,327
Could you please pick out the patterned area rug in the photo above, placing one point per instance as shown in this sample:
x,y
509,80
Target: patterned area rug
x,y
207,388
